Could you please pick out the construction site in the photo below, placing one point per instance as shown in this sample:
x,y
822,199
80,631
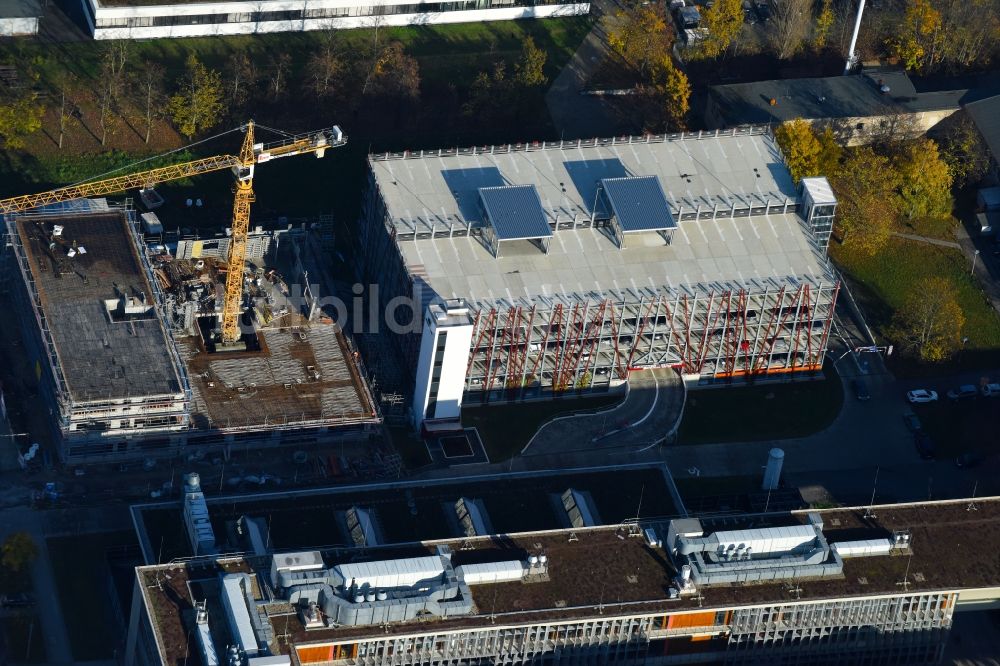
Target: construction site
x,y
565,265
140,353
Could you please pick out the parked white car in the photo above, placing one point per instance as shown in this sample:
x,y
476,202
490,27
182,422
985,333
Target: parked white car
x,y
921,395
991,391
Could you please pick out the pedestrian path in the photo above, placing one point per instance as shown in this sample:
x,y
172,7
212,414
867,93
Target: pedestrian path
x,y
927,239
579,116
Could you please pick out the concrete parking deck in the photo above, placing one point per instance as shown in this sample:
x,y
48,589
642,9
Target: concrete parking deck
x,y
650,413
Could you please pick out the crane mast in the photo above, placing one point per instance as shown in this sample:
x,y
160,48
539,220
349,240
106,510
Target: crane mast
x,y
243,197
251,154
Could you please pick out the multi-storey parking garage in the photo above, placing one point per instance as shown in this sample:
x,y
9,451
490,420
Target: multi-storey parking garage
x,y
561,266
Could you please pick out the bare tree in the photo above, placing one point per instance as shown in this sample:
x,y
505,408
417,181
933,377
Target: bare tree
x,y
790,25
111,80
116,57
375,22
151,86
279,73
62,116
105,115
64,81
326,67
243,76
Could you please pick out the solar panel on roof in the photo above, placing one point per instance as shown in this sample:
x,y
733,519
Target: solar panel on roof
x,y
639,203
515,212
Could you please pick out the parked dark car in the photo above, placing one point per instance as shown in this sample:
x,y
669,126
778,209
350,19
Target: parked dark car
x,y
969,459
687,18
18,600
860,389
963,392
911,421
925,445
763,10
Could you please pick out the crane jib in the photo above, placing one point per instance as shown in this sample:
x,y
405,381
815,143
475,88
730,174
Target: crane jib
x,y
243,168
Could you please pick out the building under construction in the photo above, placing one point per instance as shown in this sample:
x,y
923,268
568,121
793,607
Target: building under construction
x,y
125,357
542,268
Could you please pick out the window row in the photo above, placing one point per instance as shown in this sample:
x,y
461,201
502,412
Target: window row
x,y
312,14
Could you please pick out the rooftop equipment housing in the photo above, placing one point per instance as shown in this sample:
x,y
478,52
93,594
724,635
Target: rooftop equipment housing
x,y
638,205
514,213
196,519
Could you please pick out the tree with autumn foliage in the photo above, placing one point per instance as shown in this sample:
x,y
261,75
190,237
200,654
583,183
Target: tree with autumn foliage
x,y
830,153
639,35
395,74
866,186
197,104
529,71
800,147
963,150
930,321
672,85
925,181
723,22
20,119
18,551
823,25
916,34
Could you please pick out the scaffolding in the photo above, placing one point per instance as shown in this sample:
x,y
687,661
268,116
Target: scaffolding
x,y
768,329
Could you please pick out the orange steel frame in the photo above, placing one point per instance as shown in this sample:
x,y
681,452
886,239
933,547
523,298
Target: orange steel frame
x,y
514,349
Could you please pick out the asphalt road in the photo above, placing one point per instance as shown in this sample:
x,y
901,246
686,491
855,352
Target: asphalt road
x,y
650,412
41,525
868,437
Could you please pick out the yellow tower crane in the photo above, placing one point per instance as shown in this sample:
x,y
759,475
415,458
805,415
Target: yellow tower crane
x,y
251,154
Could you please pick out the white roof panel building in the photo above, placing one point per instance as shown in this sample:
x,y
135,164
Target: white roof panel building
x,y
391,573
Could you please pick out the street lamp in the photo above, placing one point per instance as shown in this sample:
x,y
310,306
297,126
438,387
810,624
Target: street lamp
x,y
974,257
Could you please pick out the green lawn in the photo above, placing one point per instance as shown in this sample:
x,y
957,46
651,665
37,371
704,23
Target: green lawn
x,y
881,284
506,429
943,229
24,638
450,57
761,412
79,564
442,49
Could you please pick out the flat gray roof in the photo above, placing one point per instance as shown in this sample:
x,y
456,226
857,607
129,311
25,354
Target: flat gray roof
x,y
101,359
586,264
20,9
432,193
429,196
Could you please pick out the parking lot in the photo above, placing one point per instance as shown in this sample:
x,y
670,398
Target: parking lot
x,y
960,423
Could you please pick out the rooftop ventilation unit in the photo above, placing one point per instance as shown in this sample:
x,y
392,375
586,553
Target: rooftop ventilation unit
x,y
196,519
234,601
209,657
361,527
577,508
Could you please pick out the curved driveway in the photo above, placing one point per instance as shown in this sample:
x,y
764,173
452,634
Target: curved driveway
x,y
650,413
